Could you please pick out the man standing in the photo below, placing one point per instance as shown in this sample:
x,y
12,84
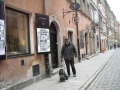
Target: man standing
x,y
114,46
68,52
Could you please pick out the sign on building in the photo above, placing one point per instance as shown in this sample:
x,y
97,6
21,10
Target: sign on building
x,y
2,42
2,45
43,40
43,34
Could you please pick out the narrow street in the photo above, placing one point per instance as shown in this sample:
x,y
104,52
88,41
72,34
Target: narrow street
x,y
35,35
85,70
109,77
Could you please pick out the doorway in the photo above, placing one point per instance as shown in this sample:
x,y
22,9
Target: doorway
x,y
70,36
53,45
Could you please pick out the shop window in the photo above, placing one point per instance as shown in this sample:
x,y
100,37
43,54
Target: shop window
x,y
17,32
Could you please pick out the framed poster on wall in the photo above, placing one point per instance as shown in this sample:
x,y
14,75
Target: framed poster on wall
x,y
43,40
42,33
2,44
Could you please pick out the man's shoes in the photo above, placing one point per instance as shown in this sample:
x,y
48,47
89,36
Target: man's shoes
x,y
74,75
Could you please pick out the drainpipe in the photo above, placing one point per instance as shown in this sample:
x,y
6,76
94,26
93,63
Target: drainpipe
x,y
47,63
44,6
79,58
107,37
100,39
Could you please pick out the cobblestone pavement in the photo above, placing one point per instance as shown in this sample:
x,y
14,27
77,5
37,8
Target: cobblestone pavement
x,y
85,70
109,77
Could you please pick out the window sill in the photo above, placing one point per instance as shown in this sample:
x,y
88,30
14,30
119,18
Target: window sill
x,y
18,55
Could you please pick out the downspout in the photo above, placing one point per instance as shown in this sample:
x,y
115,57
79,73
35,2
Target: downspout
x,y
44,6
47,62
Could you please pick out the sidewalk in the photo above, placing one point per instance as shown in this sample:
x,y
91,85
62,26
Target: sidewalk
x,y
86,72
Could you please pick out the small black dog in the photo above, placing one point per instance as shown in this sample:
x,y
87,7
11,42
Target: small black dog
x,y
62,75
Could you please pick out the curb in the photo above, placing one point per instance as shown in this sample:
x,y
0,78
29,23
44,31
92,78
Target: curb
x,y
88,82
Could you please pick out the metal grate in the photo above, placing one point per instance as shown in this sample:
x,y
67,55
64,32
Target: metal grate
x,y
36,70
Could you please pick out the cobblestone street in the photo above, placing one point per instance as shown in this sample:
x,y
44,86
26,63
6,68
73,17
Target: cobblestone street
x,y
109,77
85,70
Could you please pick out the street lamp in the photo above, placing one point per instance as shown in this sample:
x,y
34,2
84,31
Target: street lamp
x,y
75,19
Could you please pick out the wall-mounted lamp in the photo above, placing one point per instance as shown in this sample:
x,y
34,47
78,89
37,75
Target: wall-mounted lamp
x,y
92,26
75,19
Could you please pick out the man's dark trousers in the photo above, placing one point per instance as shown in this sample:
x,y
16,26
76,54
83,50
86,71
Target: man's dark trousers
x,y
68,63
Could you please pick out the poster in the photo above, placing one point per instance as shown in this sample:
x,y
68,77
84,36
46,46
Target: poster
x,y
2,45
43,40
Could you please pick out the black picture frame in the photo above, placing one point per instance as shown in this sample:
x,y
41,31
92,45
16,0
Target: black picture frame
x,y
42,23
2,56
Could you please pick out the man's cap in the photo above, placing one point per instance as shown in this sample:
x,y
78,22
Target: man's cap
x,y
66,40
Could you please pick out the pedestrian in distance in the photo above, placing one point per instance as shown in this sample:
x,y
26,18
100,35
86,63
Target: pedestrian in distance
x,y
68,52
114,46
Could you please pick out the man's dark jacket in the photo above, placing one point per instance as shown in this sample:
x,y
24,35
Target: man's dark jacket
x,y
68,51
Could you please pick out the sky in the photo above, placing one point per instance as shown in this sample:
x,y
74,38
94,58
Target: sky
x,y
115,7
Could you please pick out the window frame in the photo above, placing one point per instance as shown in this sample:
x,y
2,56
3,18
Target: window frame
x,y
92,14
83,6
28,33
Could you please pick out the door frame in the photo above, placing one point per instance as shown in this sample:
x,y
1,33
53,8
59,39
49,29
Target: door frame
x,y
53,36
53,19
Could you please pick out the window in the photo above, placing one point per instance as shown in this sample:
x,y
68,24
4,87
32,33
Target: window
x,y
88,10
78,1
81,39
110,33
83,5
100,21
95,1
16,32
92,14
112,23
104,27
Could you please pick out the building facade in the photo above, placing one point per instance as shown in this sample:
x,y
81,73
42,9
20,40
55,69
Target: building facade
x,y
94,35
22,61
22,19
20,43
102,22
108,12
